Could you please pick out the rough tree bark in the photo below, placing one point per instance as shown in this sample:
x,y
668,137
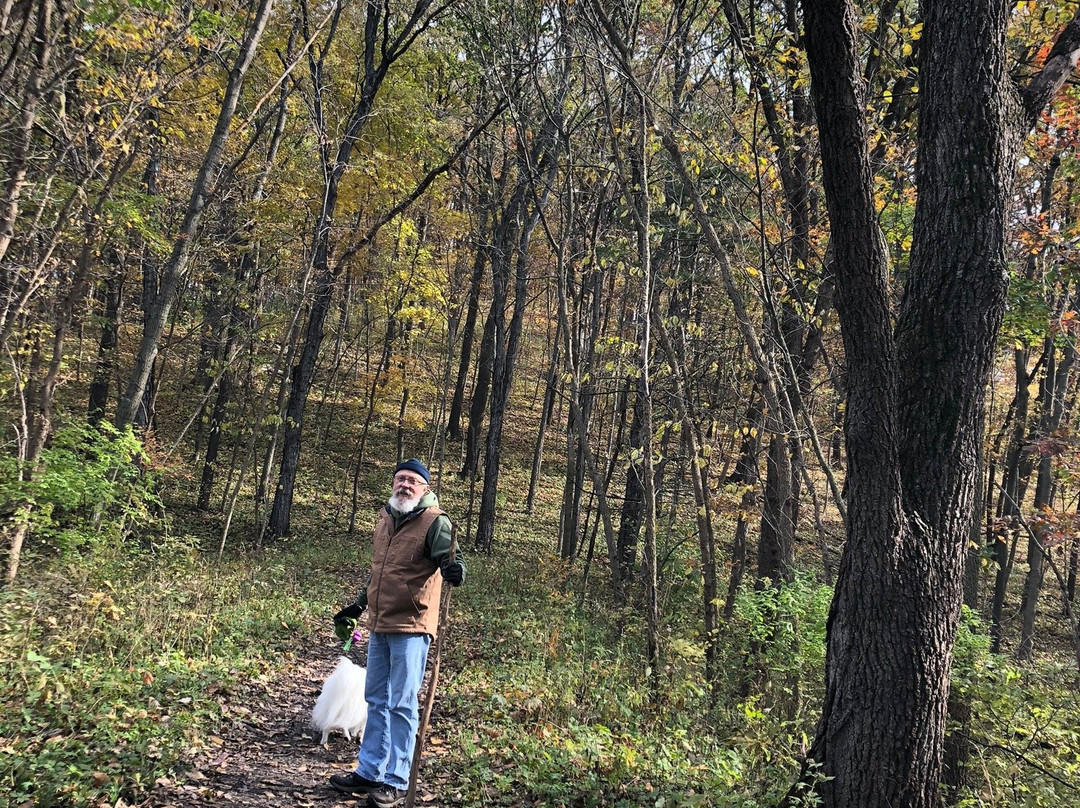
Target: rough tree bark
x,y
916,396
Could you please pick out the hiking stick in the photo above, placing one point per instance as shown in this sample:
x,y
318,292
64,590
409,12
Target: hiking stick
x,y
429,698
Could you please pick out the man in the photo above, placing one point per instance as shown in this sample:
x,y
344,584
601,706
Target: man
x,y
412,543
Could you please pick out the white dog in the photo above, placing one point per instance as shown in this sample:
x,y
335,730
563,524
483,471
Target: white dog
x,y
341,705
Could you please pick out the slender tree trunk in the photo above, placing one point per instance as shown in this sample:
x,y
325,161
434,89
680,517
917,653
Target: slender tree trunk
x,y
211,340
1014,479
537,164
151,274
1056,381
106,358
40,402
790,150
299,385
481,389
699,477
176,268
227,352
376,382
18,159
401,424
745,476
633,509
775,556
471,311
1074,566
500,394
974,557
545,417
577,431
578,420
382,47
214,433
332,388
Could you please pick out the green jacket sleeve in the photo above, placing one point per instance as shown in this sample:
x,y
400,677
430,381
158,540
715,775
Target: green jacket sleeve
x,y
438,541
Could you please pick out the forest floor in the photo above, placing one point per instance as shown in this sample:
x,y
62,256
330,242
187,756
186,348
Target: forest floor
x,y
267,754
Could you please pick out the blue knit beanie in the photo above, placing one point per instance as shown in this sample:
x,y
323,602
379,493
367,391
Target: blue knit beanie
x,y
414,465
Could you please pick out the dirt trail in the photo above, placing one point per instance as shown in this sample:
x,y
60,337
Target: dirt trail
x,y
265,753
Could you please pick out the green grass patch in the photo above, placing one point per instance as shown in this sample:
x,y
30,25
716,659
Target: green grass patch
x,y
112,671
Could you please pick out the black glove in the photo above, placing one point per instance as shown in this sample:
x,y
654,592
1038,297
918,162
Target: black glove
x,y
453,572
350,612
345,621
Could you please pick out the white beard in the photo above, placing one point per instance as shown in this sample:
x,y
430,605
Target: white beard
x,y
403,505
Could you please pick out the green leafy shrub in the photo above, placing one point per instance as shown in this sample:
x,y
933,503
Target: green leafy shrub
x,y
1024,738
112,673
89,487
563,698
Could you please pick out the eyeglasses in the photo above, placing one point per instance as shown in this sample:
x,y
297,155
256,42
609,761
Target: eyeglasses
x,y
411,481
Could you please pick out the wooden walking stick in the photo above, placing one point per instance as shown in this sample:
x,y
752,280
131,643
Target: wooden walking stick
x,y
433,680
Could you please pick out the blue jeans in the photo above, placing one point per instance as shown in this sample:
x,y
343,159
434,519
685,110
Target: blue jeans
x,y
395,671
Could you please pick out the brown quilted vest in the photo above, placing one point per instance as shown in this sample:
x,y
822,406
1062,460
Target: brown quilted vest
x,y
403,596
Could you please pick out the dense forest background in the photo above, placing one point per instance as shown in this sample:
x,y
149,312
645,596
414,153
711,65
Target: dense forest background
x,y
646,290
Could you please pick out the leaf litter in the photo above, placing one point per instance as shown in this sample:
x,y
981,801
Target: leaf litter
x,y
266,754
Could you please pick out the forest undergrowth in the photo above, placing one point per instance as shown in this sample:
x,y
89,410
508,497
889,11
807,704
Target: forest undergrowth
x,y
122,655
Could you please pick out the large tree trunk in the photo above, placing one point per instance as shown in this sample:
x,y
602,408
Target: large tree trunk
x,y
915,403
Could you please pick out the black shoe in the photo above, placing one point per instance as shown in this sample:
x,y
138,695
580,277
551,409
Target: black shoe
x,y
386,797
353,783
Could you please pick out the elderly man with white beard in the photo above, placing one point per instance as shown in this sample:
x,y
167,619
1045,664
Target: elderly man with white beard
x,y
412,542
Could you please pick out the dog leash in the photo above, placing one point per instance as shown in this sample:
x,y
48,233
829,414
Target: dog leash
x,y
429,698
